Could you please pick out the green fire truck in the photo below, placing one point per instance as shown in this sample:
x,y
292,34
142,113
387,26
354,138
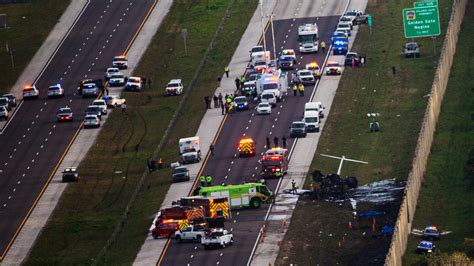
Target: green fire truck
x,y
244,195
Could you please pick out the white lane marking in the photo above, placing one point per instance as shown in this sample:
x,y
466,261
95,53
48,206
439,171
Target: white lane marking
x,y
232,162
270,133
42,146
247,128
19,142
19,182
225,177
228,170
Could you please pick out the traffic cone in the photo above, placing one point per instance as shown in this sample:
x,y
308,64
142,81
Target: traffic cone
x,y
349,225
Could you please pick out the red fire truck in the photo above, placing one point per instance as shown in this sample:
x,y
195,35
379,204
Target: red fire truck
x,y
274,163
206,211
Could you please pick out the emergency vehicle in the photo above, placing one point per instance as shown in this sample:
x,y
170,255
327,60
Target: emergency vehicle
x,y
203,211
246,147
244,195
315,69
30,91
276,82
308,38
120,62
274,163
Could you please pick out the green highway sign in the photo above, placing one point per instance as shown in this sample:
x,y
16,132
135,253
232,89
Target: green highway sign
x,y
421,22
425,4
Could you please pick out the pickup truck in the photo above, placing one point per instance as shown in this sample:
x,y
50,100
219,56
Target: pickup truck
x,y
217,238
189,233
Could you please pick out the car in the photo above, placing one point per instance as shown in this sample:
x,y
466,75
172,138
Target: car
x,y
305,77
346,27
94,110
30,91
333,68
5,103
241,103
113,100
286,62
174,87
289,53
55,91
111,71
268,97
134,84
117,80
311,120
263,109
180,173
314,68
298,129
248,88
217,238
120,62
90,90
260,66
3,113
425,247
91,121
97,82
431,233
352,56
64,114
70,174
256,49
11,99
352,14
346,19
339,34
411,49
102,104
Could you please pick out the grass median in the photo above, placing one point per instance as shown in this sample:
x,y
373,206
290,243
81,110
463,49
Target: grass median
x,y
447,195
400,98
28,25
89,210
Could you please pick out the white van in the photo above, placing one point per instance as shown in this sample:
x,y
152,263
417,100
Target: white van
x,y
311,120
268,97
315,106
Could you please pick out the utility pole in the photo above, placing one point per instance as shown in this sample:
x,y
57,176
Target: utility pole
x,y
184,33
263,26
343,158
273,36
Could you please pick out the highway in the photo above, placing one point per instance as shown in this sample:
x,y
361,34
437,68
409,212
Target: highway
x,y
33,143
227,168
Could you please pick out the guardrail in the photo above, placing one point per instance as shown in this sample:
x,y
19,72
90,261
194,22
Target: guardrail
x,y
425,138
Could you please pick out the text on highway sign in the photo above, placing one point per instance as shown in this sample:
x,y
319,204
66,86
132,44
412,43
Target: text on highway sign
x,y
421,22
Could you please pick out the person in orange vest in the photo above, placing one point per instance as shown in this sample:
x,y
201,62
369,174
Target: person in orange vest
x,y
301,89
160,163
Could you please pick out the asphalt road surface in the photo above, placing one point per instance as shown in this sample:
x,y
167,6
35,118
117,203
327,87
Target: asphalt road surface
x,y
33,143
226,166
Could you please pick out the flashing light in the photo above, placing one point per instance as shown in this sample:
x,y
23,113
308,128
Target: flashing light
x,y
246,140
121,56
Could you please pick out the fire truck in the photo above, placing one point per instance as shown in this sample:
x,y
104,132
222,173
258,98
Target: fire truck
x,y
274,163
246,147
209,212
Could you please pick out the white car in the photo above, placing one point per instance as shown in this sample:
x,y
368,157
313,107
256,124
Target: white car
x,y
333,68
134,83
217,238
346,19
113,100
289,53
102,104
3,113
353,14
174,87
346,27
30,92
55,91
111,71
117,80
314,68
91,121
263,109
268,97
305,76
120,62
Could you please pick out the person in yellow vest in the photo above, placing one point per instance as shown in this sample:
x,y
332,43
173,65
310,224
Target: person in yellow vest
x,y
202,179
209,180
301,89
323,46
295,89
226,70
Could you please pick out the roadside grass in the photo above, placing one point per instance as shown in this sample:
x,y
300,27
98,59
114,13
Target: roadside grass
x,y
89,210
400,100
28,26
447,195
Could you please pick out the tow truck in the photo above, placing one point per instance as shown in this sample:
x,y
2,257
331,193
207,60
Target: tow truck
x,y
246,147
274,163
217,238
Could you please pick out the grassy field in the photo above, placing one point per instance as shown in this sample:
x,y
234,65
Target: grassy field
x,y
400,99
89,210
447,195
28,26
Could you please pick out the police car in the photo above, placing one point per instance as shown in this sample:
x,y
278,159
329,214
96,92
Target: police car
x,y
91,121
113,100
134,84
117,80
174,87
111,71
260,66
431,233
90,90
263,109
30,91
425,247
241,103
55,91
102,104
305,76
333,68
64,114
120,62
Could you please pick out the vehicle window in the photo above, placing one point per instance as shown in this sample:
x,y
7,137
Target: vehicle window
x,y
298,125
305,73
239,100
264,105
267,96
270,86
311,120
173,85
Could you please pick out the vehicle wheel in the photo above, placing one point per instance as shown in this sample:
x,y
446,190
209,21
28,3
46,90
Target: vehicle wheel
x,y
178,238
231,242
155,236
255,203
198,238
223,245
317,130
206,247
304,136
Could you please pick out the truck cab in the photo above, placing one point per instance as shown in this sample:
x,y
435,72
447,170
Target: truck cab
x,y
190,233
190,150
246,147
308,38
217,238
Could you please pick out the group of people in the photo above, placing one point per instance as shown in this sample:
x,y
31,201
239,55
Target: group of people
x,y
154,165
205,180
275,142
298,87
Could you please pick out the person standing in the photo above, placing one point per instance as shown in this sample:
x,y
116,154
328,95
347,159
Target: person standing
x,y
219,97
293,186
362,60
144,81
275,141
301,89
160,163
237,83
222,108
124,107
295,89
283,139
149,83
242,81
353,62
219,78
226,70
211,149
209,180
202,180
268,143
323,46
216,102
207,102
